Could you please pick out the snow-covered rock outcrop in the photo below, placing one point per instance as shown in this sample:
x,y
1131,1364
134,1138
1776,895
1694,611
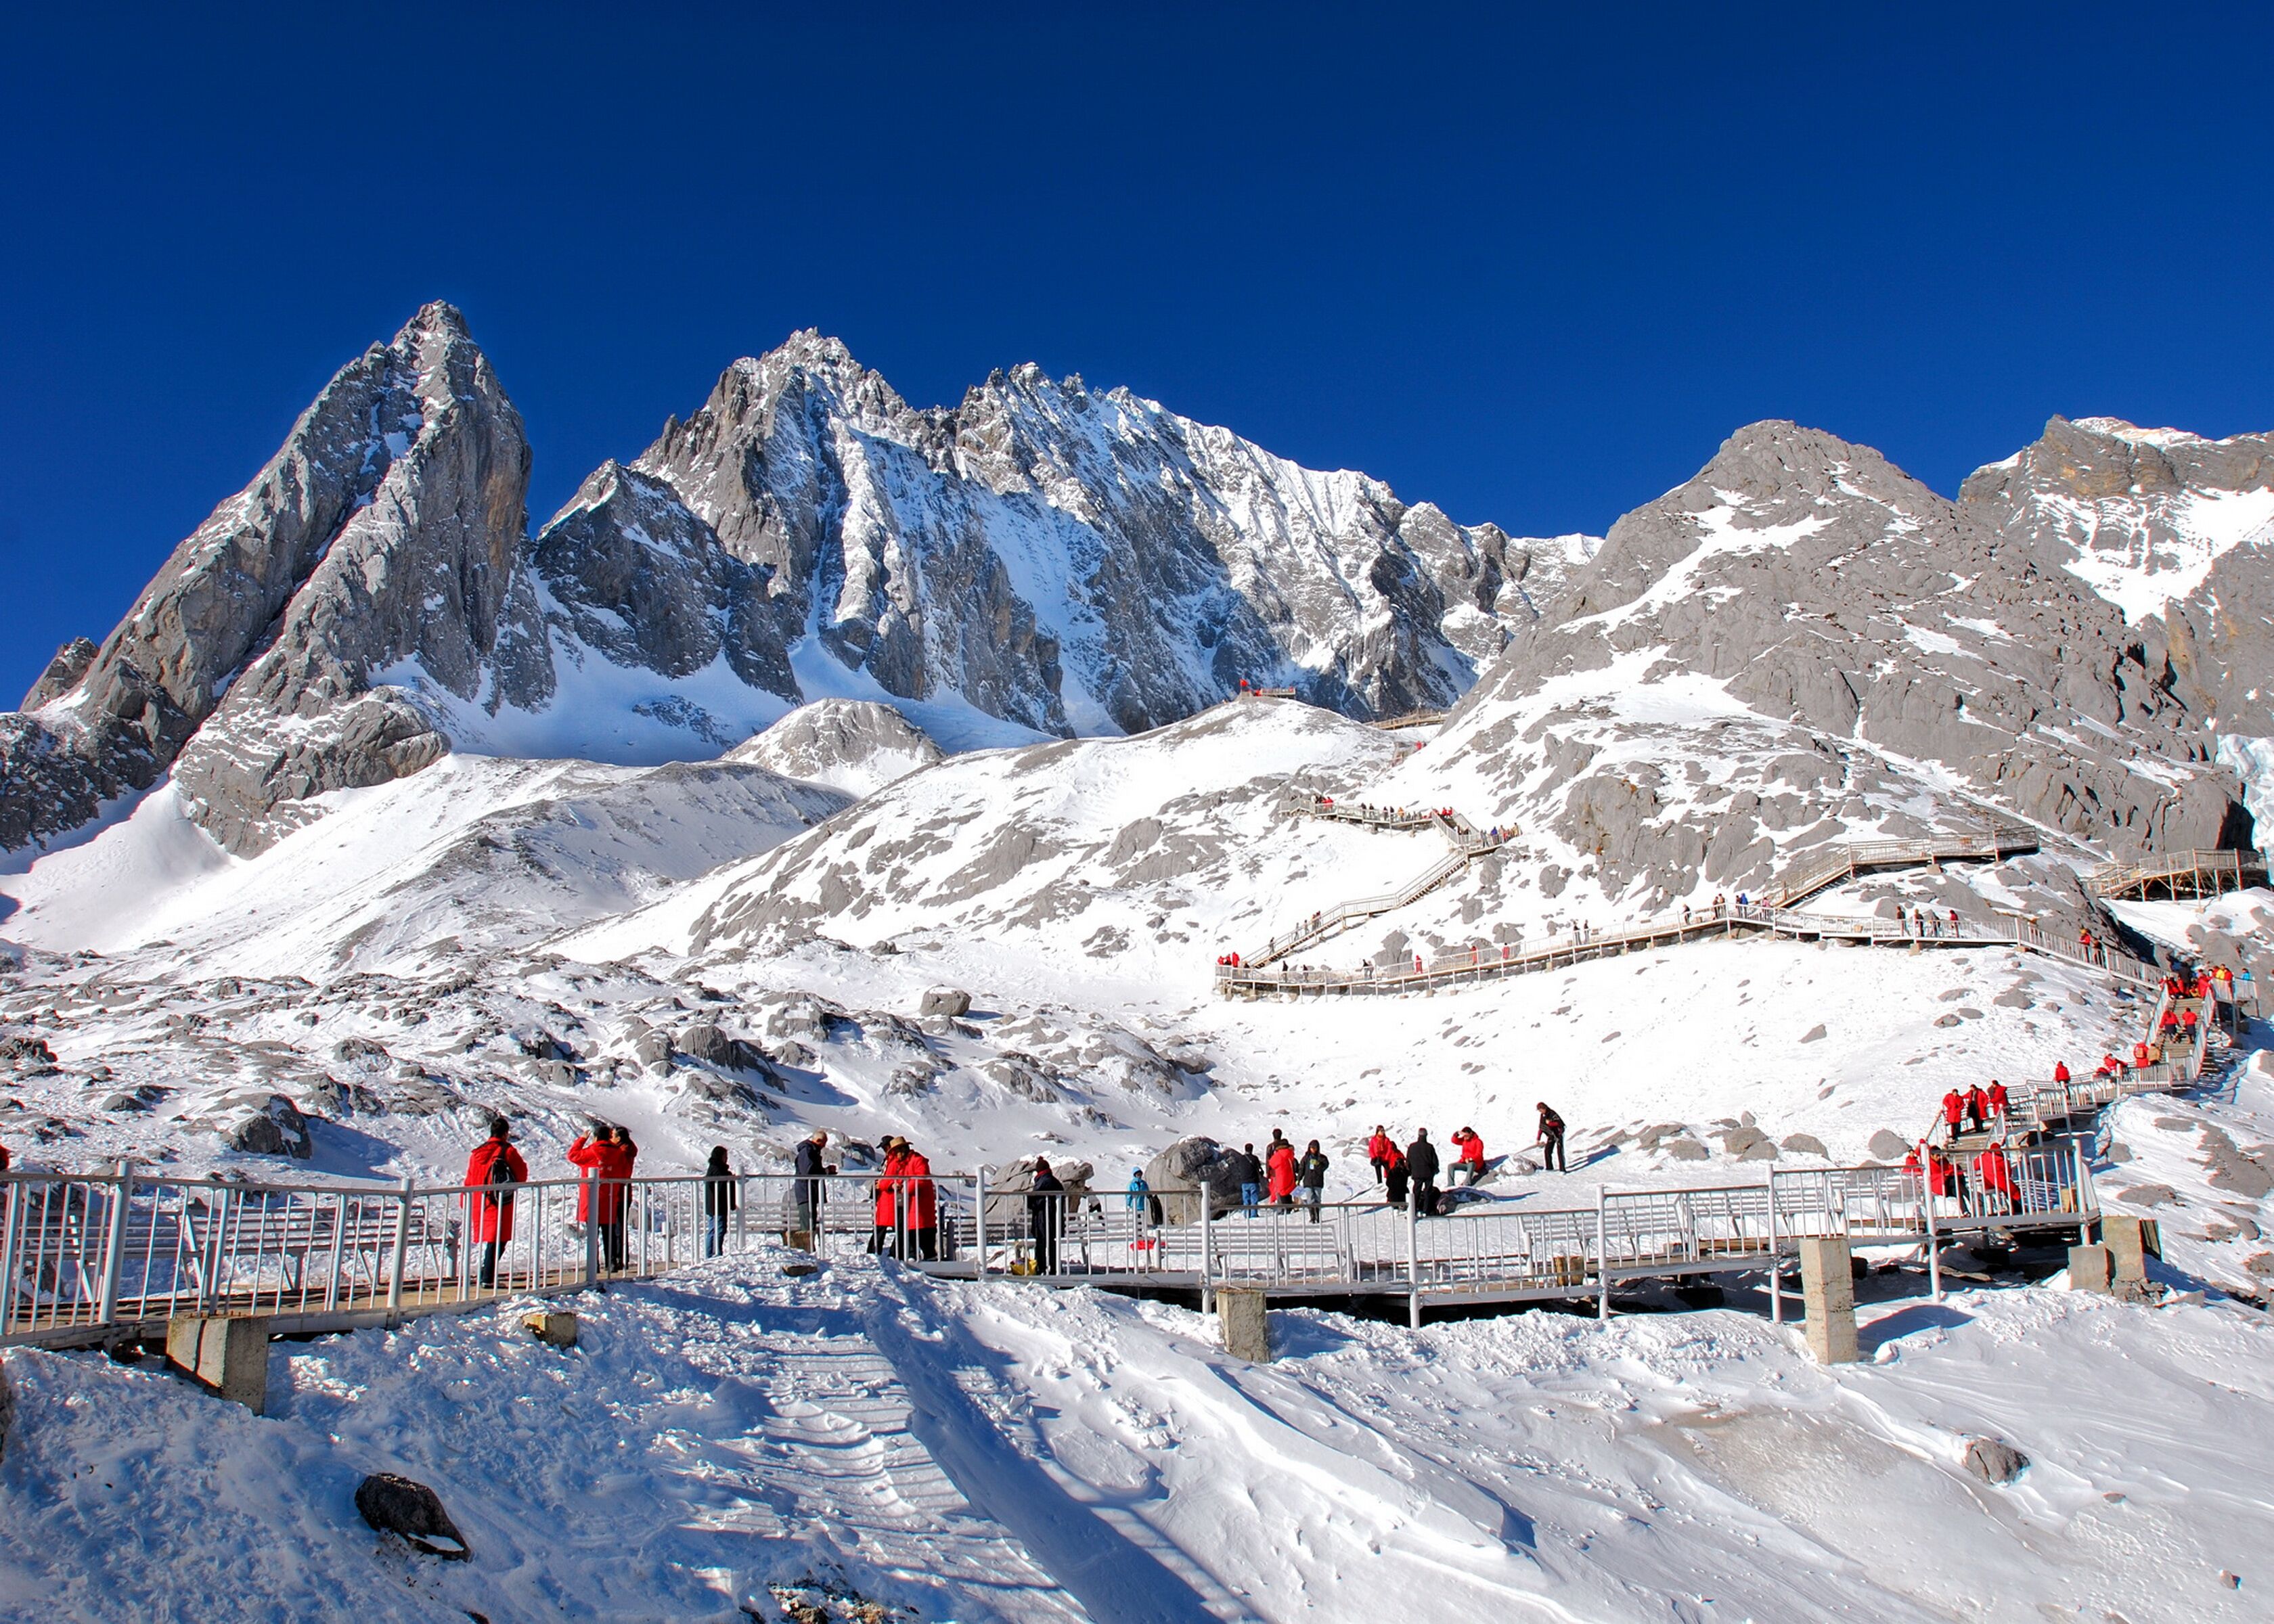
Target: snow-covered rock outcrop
x,y
1802,644
853,745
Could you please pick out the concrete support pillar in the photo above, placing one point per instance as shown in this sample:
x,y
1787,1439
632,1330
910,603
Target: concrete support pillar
x,y
1828,1292
2130,1241
1246,1328
555,1327
229,1355
2090,1268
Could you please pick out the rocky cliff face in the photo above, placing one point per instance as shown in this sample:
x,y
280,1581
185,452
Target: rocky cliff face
x,y
2176,530
1078,561
1804,644
409,463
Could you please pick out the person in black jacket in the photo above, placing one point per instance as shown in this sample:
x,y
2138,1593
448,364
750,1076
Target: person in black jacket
x,y
1045,1213
1551,1140
811,1190
721,1195
1250,1173
1421,1165
1311,1173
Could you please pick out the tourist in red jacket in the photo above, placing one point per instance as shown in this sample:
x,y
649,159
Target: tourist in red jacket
x,y
1470,1154
1279,1171
1977,1108
890,1222
493,1167
1378,1150
1994,1175
2000,1102
607,1158
1954,1110
2060,1070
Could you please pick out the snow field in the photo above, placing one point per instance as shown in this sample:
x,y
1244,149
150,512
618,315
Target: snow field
x,y
1008,1453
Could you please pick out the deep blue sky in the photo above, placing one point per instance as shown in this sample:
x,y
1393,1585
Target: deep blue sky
x,y
1531,267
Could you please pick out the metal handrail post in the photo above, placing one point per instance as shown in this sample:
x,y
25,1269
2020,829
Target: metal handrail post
x,y
1208,1260
1602,1262
113,1244
979,1223
1776,1259
402,1248
1413,1255
12,1218
591,1192
1933,1246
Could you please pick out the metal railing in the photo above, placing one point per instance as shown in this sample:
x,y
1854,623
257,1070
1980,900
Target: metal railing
x,y
2113,879
126,1247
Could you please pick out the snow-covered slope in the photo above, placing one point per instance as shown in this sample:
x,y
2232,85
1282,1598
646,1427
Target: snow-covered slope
x,y
853,745
720,1446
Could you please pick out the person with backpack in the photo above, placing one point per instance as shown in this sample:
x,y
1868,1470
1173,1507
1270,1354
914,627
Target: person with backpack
x,y
1045,1216
1552,1159
493,1169
1311,1172
1421,1165
721,1195
1378,1150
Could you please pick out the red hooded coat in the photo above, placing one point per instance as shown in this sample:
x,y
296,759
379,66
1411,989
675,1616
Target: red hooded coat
x,y
489,1216
1280,1168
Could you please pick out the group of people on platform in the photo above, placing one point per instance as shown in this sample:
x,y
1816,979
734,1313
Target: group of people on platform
x,y
1278,1177
1408,1176
605,1157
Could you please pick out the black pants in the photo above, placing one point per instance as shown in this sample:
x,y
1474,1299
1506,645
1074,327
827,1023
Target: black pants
x,y
612,1243
1046,1246
488,1275
1394,1181
1424,1197
1551,1159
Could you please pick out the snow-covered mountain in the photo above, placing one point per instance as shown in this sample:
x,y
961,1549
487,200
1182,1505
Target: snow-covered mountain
x,y
1038,560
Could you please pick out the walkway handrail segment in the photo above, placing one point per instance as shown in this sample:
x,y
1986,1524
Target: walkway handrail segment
x,y
1254,972
1479,964
81,1251
1468,843
2116,878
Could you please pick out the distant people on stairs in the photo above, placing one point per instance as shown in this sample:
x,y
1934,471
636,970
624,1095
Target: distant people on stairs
x,y
1954,1113
1045,1216
721,1195
1469,1163
1421,1165
1311,1171
493,1169
2001,1103
1551,1140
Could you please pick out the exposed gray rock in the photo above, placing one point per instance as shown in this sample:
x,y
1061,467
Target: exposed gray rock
x,y
1685,1150
1888,1146
946,1001
1805,1145
1181,1173
413,1512
1813,1035
1993,1460
2148,1195
277,1129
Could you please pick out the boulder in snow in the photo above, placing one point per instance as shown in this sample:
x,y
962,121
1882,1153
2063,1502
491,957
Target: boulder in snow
x,y
1995,1462
413,1512
277,1129
1888,1146
946,1000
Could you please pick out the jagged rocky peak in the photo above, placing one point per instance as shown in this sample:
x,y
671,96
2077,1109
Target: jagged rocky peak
x,y
856,744
1074,560
2141,515
229,590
